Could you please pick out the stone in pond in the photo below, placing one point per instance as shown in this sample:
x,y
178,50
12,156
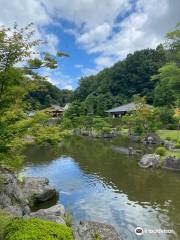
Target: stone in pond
x,y
37,190
172,163
53,214
149,160
87,230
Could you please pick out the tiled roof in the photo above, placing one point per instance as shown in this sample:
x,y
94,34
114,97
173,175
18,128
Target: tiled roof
x,y
123,108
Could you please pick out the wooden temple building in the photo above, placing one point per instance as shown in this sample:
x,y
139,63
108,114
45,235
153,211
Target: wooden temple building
x,y
122,110
55,111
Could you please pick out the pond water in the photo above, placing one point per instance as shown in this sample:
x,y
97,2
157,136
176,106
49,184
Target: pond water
x,y
98,181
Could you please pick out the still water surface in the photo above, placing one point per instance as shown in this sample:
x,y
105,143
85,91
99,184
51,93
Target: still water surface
x,y
98,182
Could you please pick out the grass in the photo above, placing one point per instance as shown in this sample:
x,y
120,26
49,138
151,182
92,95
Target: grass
x,y
5,219
173,135
168,154
173,153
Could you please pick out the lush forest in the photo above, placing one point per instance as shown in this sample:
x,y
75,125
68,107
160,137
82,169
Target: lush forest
x,y
45,94
125,79
132,76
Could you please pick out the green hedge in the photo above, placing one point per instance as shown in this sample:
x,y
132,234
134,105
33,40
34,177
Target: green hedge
x,y
36,229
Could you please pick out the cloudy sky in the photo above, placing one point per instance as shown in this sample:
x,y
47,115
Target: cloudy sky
x,y
96,33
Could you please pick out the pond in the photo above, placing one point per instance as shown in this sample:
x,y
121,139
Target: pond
x,y
98,181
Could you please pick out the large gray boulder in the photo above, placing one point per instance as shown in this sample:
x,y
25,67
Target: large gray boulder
x,y
54,214
12,198
172,163
149,160
87,230
37,190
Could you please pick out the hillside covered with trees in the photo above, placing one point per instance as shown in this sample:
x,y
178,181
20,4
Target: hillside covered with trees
x,y
134,76
45,94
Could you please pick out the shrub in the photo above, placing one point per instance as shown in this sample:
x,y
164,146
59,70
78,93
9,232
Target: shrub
x,y
66,123
96,237
161,151
171,126
177,145
168,138
5,219
36,229
100,125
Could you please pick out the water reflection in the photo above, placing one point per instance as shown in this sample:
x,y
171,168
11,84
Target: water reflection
x,y
96,183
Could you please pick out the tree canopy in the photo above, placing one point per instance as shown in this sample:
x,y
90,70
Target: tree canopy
x,y
117,85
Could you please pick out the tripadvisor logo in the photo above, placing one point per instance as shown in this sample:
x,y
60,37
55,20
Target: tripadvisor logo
x,y
139,231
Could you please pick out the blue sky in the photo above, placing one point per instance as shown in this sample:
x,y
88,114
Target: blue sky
x,y
96,33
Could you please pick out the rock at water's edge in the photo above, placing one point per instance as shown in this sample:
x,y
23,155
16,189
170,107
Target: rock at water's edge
x,y
172,163
149,160
12,198
152,139
87,230
37,190
54,214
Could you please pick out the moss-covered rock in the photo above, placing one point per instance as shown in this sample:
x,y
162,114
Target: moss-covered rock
x,y
36,229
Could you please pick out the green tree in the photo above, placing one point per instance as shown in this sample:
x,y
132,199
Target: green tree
x,y
144,120
44,94
168,77
172,45
17,63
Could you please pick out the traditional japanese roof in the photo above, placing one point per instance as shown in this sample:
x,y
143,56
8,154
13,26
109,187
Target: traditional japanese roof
x,y
124,108
55,108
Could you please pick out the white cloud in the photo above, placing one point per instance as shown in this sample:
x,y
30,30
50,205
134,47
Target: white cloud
x,y
23,12
97,30
141,24
104,61
95,35
58,78
90,13
68,87
52,43
143,28
90,71
78,66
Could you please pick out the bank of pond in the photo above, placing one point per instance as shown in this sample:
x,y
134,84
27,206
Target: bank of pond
x,y
104,187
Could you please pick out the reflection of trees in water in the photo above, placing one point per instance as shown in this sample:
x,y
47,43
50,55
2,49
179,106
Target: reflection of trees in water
x,y
151,187
96,157
36,154
147,187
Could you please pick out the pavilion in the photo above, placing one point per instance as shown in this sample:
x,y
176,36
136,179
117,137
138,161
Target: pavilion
x,y
122,110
